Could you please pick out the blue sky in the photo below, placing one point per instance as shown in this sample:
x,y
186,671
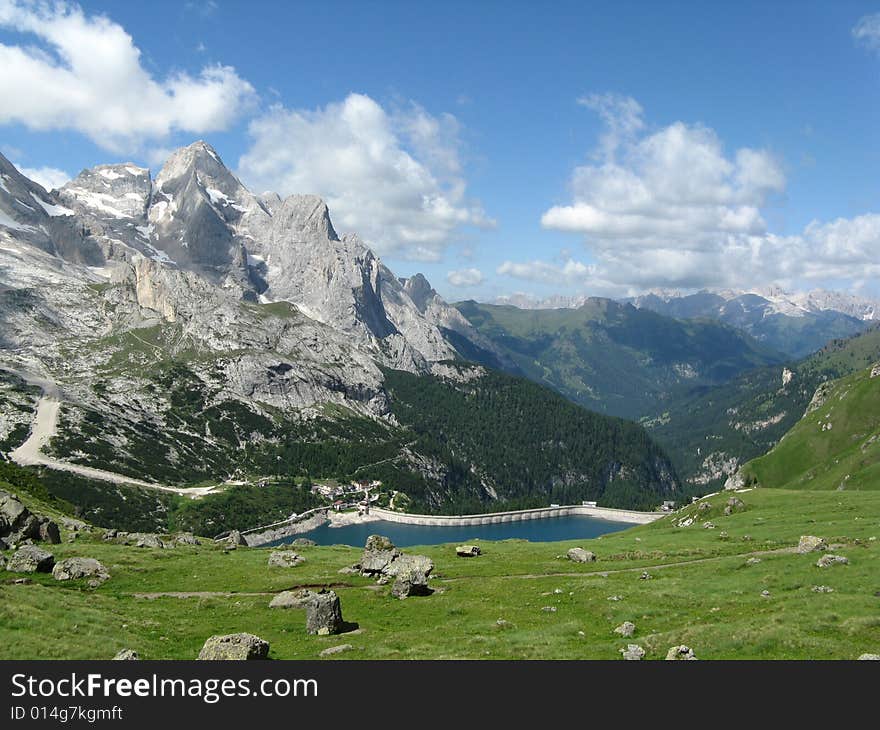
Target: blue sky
x,y
598,148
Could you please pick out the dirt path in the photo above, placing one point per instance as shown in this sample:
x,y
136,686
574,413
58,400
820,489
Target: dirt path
x,y
30,453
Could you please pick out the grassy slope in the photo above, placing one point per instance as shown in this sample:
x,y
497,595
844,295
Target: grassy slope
x,y
846,456
705,422
714,605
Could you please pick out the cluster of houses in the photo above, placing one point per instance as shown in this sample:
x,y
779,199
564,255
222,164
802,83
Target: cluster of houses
x,y
344,494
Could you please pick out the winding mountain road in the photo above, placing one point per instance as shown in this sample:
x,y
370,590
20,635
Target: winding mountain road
x,y
43,428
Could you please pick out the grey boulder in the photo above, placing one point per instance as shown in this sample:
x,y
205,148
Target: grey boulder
x,y
285,559
633,653
680,653
379,553
810,543
76,568
468,551
826,561
31,559
126,655
324,614
579,555
292,599
234,647
626,629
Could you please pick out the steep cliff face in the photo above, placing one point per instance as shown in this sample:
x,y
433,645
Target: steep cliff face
x,y
247,282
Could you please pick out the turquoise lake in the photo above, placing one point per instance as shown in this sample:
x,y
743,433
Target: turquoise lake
x,y
574,527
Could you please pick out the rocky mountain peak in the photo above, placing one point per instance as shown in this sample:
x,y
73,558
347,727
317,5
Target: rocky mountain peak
x,y
305,217
419,290
110,191
198,162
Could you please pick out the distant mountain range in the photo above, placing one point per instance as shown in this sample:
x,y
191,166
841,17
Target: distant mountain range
x,y
614,357
795,324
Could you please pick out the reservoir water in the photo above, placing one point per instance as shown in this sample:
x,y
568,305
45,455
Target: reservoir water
x,y
573,527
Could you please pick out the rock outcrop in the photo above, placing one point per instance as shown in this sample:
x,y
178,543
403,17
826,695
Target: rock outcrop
x,y
18,523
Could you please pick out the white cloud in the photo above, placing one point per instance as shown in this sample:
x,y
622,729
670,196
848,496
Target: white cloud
x,y
49,177
669,208
87,76
570,272
867,31
673,188
394,177
465,277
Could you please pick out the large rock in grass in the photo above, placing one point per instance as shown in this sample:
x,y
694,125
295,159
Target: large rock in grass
x,y
126,655
826,561
234,647
633,653
324,614
811,543
292,599
147,540
186,538
31,559
626,629
49,532
285,559
76,568
410,583
410,573
680,653
734,504
379,553
18,523
468,551
579,555
236,538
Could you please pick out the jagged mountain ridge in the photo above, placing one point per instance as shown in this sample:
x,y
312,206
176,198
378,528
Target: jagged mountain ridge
x,y
794,323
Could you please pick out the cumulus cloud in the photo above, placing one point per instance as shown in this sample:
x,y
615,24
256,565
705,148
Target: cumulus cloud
x,y
87,76
867,31
49,177
394,176
671,208
465,277
570,272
